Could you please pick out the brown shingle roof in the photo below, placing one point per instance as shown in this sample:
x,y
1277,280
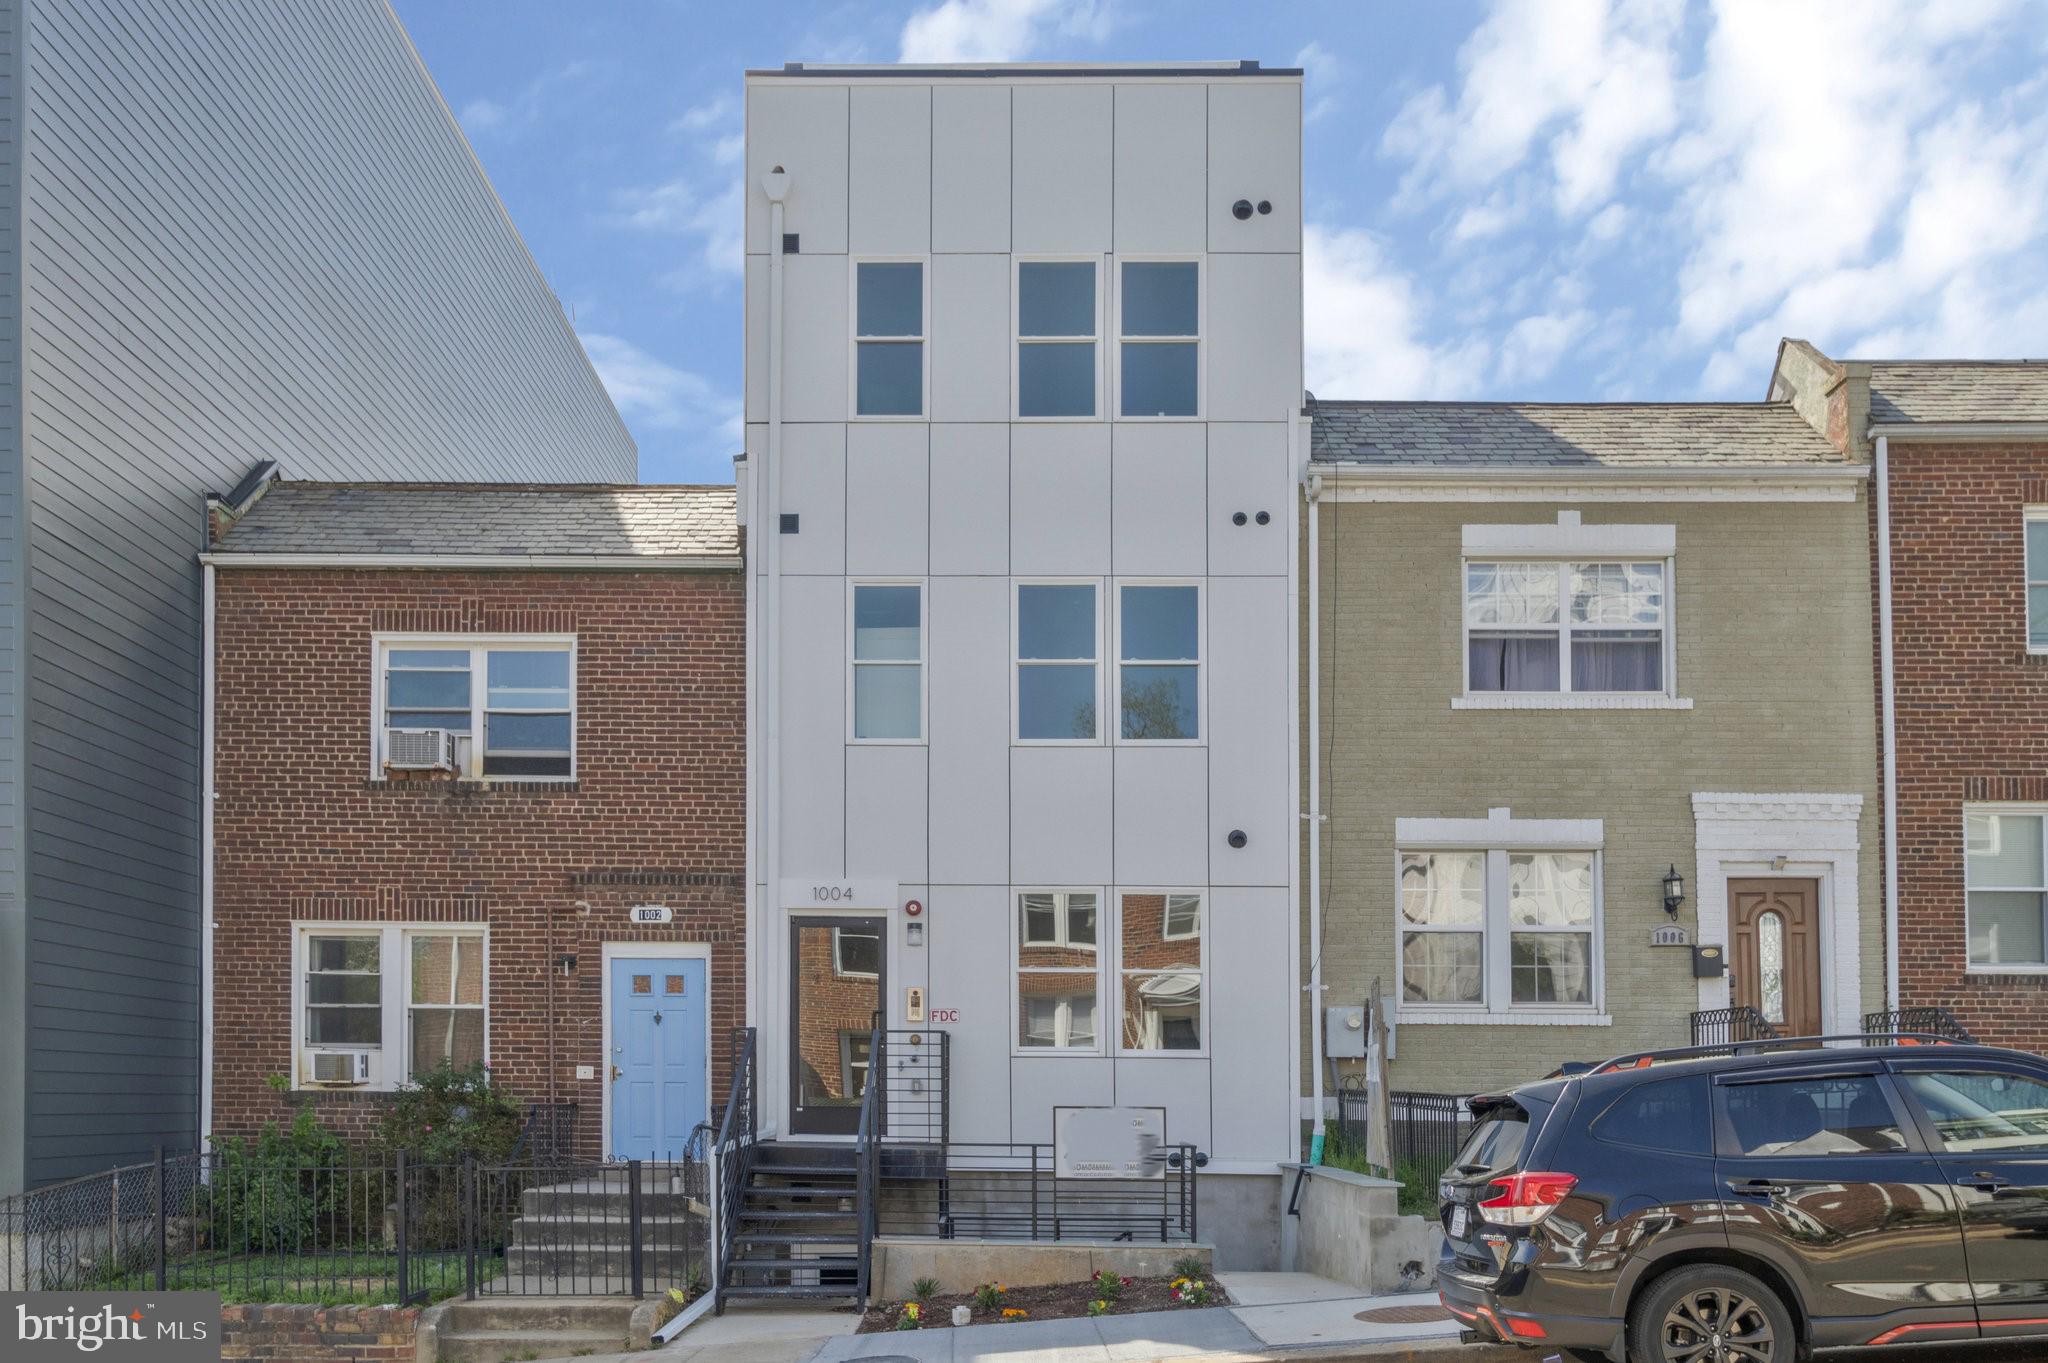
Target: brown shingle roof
x,y
1944,391
560,520
1481,435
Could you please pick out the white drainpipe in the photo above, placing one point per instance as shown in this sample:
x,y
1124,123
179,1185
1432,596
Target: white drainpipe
x,y
206,867
1890,726
768,526
1312,489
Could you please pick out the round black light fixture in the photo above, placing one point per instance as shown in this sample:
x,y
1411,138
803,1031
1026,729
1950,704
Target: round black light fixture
x,y
1237,518
1263,517
1241,210
1237,838
1265,206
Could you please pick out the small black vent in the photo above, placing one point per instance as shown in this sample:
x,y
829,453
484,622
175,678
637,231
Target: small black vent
x,y
791,244
789,522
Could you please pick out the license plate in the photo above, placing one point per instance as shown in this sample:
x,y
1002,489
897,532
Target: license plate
x,y
1461,1217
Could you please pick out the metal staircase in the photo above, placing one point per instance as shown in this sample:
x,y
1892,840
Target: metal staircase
x,y
799,1226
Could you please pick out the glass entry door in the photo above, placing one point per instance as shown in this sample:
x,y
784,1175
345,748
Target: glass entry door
x,y
838,969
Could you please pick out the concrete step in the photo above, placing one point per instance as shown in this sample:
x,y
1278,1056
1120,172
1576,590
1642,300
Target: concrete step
x,y
498,1346
592,1228
598,1286
568,1199
537,1313
785,1290
614,1261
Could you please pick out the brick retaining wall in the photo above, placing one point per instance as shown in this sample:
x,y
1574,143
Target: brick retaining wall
x,y
344,1334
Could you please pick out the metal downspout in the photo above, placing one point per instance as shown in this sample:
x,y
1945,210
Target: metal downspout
x,y
1889,724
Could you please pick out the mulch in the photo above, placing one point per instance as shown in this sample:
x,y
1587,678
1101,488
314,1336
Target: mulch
x,y
1058,1301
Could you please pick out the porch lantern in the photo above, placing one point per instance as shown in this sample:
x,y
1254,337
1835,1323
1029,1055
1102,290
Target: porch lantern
x,y
1674,891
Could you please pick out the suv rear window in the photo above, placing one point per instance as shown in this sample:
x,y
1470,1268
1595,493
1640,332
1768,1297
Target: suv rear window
x,y
1666,1114
1496,1143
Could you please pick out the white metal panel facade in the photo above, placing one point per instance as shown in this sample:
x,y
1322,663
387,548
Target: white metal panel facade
x,y
1019,165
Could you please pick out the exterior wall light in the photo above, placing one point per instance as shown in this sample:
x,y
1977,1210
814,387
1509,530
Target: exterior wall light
x,y
1674,891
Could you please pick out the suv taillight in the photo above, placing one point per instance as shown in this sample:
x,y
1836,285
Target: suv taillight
x,y
1524,1199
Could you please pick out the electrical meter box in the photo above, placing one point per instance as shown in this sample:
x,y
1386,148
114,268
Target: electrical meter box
x,y
1344,1032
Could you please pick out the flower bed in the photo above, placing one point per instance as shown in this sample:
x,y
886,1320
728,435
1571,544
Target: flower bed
x,y
993,1304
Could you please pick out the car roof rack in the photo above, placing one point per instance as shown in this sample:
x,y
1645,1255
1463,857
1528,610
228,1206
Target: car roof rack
x,y
1637,1060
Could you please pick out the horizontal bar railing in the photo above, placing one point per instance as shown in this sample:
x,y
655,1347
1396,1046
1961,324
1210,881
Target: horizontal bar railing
x,y
1933,1021
1014,1191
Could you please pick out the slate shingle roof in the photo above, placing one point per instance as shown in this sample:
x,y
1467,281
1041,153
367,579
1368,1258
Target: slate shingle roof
x,y
557,520
1941,391
1622,435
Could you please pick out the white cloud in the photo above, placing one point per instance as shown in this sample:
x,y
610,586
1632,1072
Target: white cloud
x,y
1322,78
1363,332
484,116
1536,344
1000,30
709,214
658,395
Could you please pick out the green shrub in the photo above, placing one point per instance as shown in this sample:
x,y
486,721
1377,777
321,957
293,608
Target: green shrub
x,y
439,1116
279,1192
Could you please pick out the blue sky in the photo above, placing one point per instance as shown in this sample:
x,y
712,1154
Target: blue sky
x,y
1568,199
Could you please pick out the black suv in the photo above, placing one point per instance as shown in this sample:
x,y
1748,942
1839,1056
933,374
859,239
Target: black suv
x,y
1750,1204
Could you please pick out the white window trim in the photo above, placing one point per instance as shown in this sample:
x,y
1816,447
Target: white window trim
x,y
1199,662
854,664
2021,810
479,692
1062,926
1121,971
1166,931
1018,341
1570,538
1666,699
839,968
854,338
1104,921
1018,662
1198,340
394,993
2028,516
1496,1003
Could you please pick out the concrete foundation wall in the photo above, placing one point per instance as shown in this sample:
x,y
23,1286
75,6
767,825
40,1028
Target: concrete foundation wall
x,y
963,1265
1351,1231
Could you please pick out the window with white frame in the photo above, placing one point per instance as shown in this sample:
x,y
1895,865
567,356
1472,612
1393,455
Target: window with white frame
x,y
1159,332
888,338
2005,877
1058,969
1591,628
516,696
857,952
1499,930
1058,318
416,994
1058,639
1160,971
1159,662
888,662
2037,580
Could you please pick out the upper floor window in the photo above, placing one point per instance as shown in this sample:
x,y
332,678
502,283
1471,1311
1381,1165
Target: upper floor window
x,y
1159,652
1567,627
2005,876
1057,640
1499,930
2037,580
888,346
888,662
1159,338
499,709
1057,330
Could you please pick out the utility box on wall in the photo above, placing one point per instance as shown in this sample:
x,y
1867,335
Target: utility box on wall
x,y
1344,1032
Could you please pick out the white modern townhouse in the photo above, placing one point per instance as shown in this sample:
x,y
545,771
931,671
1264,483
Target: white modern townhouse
x,y
1023,434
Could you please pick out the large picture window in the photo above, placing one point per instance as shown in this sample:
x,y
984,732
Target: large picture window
x,y
888,662
888,338
510,703
2005,875
1591,628
1058,969
1159,370
1058,321
1499,930
1058,640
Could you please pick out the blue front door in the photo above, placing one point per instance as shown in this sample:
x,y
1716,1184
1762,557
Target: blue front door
x,y
657,1073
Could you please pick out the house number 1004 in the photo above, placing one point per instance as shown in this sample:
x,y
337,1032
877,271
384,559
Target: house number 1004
x,y
832,894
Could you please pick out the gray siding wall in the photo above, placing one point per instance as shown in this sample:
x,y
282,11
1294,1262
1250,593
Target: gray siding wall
x,y
13,888
249,232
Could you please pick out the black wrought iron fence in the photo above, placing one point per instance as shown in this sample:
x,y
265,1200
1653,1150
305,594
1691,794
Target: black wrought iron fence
x,y
1424,1130
1925,1021
915,1071
361,1228
1731,1027
1016,1192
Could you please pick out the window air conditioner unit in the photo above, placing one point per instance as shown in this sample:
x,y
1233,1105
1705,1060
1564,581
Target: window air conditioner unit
x,y
340,1069
419,749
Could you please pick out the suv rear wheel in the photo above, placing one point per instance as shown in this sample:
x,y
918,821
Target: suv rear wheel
x,y
1711,1314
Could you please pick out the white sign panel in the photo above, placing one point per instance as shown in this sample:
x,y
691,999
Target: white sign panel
x,y
652,913
1109,1142
841,893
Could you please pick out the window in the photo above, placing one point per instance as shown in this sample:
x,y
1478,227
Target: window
x,y
2006,888
888,662
1830,1115
2037,581
1980,1111
855,1049
856,952
1057,636
1568,627
1160,971
1159,340
1159,633
419,994
518,694
1499,930
888,346
1668,1114
1057,319
1057,969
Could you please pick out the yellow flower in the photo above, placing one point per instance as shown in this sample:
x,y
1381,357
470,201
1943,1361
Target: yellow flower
x,y
1014,1313
910,1309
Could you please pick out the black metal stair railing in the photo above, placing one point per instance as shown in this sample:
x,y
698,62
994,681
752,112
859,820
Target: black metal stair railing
x,y
1929,1021
1731,1026
732,1153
